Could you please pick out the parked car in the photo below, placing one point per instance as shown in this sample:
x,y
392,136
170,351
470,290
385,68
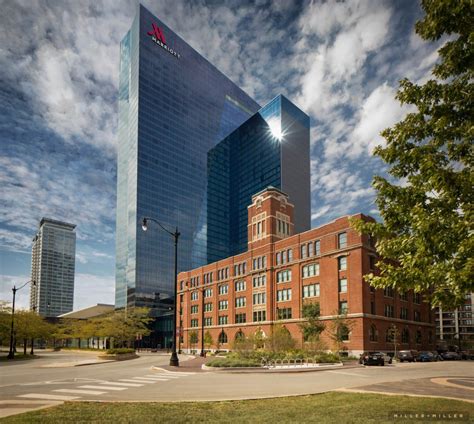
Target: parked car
x,y
372,358
387,358
407,355
427,356
450,356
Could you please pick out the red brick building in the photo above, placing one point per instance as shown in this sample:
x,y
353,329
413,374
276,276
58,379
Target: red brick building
x,y
281,270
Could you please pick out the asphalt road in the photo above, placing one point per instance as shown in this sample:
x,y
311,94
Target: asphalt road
x,y
135,380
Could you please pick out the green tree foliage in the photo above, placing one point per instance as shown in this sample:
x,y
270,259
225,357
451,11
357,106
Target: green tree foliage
x,y
281,340
193,338
208,340
312,327
427,236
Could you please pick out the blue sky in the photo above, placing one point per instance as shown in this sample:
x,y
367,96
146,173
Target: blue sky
x,y
339,61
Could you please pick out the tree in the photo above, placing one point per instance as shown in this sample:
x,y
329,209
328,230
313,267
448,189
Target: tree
x,y
29,326
426,237
123,325
393,336
193,338
340,329
312,327
208,340
281,340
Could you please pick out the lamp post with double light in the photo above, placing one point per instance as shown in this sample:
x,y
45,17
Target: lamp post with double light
x,y
11,353
174,361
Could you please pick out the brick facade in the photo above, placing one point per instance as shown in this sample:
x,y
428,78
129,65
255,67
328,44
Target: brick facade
x,y
325,265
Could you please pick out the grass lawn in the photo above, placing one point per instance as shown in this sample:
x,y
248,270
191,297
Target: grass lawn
x,y
324,408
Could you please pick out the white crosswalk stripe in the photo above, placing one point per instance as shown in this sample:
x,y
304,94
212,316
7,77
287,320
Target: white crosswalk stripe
x,y
113,383
79,392
162,376
46,396
145,379
137,381
102,387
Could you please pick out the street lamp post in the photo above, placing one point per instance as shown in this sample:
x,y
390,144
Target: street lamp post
x,y
174,361
11,353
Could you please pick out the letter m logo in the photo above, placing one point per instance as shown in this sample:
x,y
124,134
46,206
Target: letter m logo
x,y
157,33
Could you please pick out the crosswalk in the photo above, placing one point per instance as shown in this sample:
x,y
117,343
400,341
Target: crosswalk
x,y
104,387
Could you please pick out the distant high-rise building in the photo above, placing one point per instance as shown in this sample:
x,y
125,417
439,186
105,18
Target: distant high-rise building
x,y
269,149
173,107
52,268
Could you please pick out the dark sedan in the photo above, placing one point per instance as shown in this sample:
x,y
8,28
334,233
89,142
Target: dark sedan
x,y
372,358
450,356
427,357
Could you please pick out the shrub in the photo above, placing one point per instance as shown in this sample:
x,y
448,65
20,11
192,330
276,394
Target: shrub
x,y
118,351
233,362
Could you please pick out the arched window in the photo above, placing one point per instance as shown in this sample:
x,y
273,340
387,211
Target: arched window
x,y
259,339
222,337
343,333
239,336
373,333
405,336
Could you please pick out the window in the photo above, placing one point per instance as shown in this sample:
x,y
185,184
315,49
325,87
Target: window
x,y
303,251
260,262
343,333
284,313
207,321
194,309
405,336
208,293
389,311
404,313
311,290
342,263
404,296
223,289
372,308
278,258
418,337
343,285
290,254
222,338
283,295
259,316
372,262
222,319
416,316
284,276
194,295
342,240
343,307
259,280
317,247
181,285
240,302
310,249
388,292
417,298
223,305
310,270
283,257
194,323
208,307
240,318
259,298
239,286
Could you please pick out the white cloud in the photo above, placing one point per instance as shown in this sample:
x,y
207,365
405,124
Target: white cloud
x,y
91,289
22,298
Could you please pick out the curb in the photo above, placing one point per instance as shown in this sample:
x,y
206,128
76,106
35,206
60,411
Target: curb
x,y
259,370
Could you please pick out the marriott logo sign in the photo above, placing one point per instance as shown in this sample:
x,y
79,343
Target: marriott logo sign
x,y
158,37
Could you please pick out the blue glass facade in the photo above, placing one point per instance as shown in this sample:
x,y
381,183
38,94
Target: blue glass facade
x,y
270,149
173,107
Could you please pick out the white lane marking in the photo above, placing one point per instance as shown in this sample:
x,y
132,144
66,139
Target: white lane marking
x,y
79,392
113,383
89,386
350,373
179,373
137,381
47,397
161,376
145,379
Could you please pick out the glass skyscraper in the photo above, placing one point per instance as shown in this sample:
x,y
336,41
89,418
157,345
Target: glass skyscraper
x,y
174,106
53,260
271,148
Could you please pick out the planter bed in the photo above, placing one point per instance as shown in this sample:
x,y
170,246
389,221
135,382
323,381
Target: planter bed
x,y
118,356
